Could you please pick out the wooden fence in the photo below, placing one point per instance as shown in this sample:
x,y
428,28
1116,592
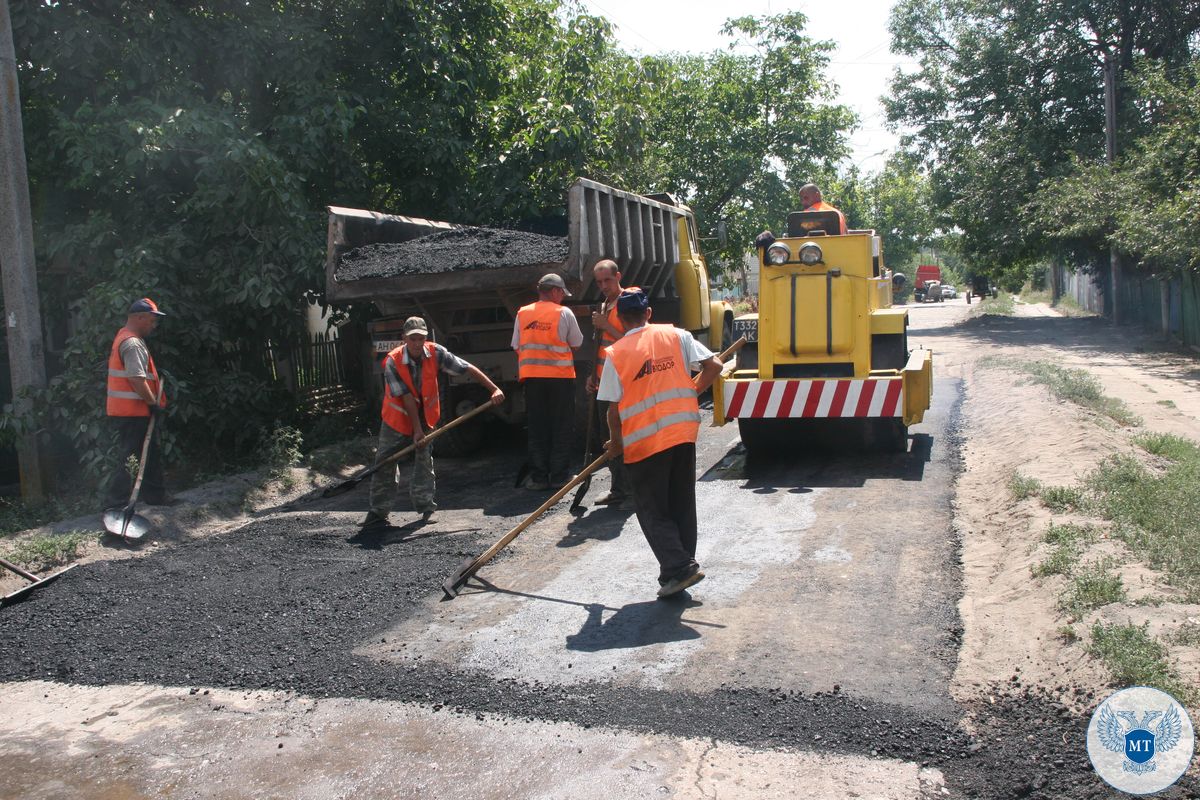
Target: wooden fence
x,y
1171,306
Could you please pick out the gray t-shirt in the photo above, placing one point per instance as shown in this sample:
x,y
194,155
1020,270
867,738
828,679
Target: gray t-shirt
x,y
447,362
568,329
136,357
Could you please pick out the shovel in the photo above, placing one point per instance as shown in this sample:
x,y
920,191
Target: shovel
x,y
472,565
126,524
350,483
577,503
37,582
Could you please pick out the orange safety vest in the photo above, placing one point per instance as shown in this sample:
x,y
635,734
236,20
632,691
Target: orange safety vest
x,y
658,406
823,206
122,400
540,352
429,398
607,339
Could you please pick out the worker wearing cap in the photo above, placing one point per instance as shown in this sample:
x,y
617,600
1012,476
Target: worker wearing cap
x,y
132,398
544,335
606,276
654,418
810,200
411,410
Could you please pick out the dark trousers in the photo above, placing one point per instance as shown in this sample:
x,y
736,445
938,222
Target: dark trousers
x,y
616,466
131,432
664,496
550,408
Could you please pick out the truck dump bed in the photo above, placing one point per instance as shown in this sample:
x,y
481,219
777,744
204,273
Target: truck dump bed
x,y
384,257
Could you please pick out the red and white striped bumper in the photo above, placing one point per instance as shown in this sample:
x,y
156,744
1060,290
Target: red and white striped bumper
x,y
874,397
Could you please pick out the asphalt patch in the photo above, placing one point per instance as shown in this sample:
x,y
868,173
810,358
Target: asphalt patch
x,y
466,248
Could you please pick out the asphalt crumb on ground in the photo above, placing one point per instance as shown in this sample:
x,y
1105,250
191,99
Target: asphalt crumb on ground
x,y
282,604
466,248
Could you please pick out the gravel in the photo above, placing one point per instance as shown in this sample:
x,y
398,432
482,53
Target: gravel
x,y
465,248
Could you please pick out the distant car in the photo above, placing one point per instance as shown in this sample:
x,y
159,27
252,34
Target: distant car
x,y
949,291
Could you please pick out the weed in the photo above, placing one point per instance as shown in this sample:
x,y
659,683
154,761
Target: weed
x,y
1168,445
1023,486
1135,658
1074,385
1069,534
1157,514
1002,305
1070,307
1068,634
1092,588
280,451
1060,562
20,515
1062,498
39,552
1188,635
1068,542
1167,403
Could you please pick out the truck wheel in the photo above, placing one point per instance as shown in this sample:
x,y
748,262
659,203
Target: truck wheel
x,y
466,438
747,357
888,435
757,436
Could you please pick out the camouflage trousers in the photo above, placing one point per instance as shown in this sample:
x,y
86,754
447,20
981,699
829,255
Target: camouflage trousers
x,y
421,486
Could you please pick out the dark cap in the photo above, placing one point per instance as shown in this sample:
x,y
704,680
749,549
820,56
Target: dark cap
x,y
145,306
553,281
632,301
415,325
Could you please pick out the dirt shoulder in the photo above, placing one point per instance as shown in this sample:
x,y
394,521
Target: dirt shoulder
x,y
1019,629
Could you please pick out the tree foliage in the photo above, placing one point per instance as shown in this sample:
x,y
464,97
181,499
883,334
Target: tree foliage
x,y
1007,101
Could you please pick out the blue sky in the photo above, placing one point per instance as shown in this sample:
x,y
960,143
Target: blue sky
x,y
860,66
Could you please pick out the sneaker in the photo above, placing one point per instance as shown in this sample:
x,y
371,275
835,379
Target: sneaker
x,y
676,585
612,499
534,485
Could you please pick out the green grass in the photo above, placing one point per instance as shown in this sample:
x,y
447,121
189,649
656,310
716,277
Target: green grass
x,y
1002,305
39,552
1093,587
1067,543
1062,498
1167,403
1135,658
18,515
1157,513
1187,635
1030,295
1077,386
1022,486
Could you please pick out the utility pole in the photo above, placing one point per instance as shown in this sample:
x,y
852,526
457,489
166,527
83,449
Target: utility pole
x,y
22,314
1110,149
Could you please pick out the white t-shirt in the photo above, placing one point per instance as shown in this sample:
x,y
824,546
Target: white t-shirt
x,y
568,329
693,353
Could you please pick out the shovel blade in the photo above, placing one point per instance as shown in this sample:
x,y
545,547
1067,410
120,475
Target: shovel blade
x,y
341,488
25,590
131,530
459,579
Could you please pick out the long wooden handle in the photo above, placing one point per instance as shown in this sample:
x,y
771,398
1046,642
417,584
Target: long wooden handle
x,y
491,552
733,348
137,485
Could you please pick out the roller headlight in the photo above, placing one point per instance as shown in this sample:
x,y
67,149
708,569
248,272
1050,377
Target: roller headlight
x,y
810,253
778,253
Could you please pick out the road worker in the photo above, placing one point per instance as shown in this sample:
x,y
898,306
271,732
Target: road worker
x,y
133,397
654,418
607,324
411,410
810,200
544,335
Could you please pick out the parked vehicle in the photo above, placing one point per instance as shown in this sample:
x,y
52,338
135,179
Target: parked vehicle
x,y
927,274
949,292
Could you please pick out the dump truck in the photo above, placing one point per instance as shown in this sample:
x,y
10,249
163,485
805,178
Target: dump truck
x,y
470,290
928,286
827,360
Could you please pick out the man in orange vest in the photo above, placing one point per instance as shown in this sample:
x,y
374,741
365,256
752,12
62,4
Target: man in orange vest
x,y
544,335
654,418
607,323
810,200
411,409
133,396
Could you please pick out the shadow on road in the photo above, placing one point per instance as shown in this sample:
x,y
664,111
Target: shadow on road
x,y
601,525
634,625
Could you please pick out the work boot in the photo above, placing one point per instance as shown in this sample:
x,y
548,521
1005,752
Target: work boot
x,y
535,485
427,513
373,522
678,584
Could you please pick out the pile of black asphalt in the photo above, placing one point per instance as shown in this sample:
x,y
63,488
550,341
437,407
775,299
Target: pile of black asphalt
x,y
466,248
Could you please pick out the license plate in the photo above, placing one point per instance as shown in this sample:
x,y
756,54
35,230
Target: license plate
x,y
747,328
386,346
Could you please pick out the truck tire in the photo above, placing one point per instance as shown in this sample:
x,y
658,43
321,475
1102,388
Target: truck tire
x,y
468,437
747,357
888,435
